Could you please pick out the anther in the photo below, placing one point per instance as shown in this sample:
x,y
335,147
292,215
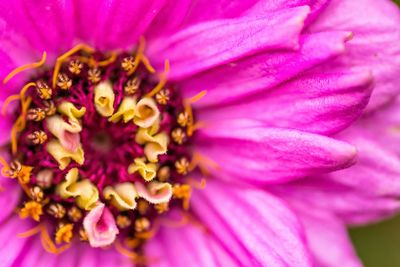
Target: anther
x,y
63,81
75,214
178,135
15,168
49,108
43,90
56,210
164,174
132,86
94,75
64,233
31,209
162,207
36,114
183,119
182,166
123,221
182,192
37,194
128,63
75,67
142,224
37,137
19,171
162,97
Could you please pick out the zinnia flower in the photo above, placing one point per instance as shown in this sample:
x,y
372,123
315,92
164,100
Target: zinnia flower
x,y
192,133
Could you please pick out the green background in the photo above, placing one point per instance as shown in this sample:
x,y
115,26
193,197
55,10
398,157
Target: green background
x,y
378,245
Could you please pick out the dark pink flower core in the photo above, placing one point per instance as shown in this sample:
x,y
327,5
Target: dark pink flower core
x,y
101,147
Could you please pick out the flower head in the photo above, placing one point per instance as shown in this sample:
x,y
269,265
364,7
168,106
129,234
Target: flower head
x,y
109,143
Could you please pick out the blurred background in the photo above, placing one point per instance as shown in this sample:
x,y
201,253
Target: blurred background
x,y
378,245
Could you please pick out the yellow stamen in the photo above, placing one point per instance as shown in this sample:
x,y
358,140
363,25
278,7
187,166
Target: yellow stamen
x,y
183,192
20,96
19,125
49,245
196,184
65,56
24,89
45,239
7,102
189,111
175,223
108,61
149,234
24,175
136,258
124,251
203,163
26,67
146,63
139,55
162,82
31,232
197,97
6,167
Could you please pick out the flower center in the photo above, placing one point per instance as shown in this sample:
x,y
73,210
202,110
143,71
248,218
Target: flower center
x,y
100,147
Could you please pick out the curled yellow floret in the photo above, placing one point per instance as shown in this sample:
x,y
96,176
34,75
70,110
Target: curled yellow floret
x,y
104,98
64,156
122,196
84,192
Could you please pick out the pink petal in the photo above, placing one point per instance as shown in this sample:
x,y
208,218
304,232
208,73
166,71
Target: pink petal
x,y
201,249
353,205
377,170
256,227
170,18
263,6
5,126
9,60
205,10
10,193
223,41
263,72
100,226
10,250
47,25
115,24
251,152
79,255
314,102
32,254
375,25
328,239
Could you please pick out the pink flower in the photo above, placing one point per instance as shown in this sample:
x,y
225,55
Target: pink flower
x,y
259,97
